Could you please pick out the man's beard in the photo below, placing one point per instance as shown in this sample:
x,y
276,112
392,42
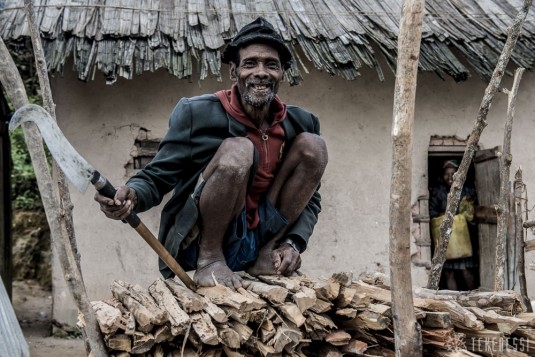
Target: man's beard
x,y
258,103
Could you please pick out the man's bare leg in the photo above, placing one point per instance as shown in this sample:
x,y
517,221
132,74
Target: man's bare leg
x,y
222,199
294,185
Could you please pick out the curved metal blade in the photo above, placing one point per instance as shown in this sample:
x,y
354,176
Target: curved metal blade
x,y
73,165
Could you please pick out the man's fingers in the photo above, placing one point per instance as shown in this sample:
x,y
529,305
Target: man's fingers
x,y
276,258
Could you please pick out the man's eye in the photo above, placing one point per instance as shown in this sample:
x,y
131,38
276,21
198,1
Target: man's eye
x,y
273,65
248,64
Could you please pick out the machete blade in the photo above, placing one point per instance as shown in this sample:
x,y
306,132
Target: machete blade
x,y
77,170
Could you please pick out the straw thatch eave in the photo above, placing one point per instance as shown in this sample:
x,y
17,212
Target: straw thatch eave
x,y
120,37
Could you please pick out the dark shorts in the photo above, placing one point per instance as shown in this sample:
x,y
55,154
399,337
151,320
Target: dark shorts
x,y
240,245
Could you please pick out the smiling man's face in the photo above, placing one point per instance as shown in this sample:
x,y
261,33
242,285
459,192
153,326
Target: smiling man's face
x,y
258,75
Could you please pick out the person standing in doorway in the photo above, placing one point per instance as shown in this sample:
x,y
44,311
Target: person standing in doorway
x,y
460,272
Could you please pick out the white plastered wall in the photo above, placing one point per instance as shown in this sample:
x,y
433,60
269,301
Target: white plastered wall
x,y
102,122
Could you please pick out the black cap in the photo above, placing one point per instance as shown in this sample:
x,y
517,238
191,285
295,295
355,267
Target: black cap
x,y
258,31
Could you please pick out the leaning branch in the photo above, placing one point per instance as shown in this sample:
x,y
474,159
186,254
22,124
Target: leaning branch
x,y
503,204
63,236
471,146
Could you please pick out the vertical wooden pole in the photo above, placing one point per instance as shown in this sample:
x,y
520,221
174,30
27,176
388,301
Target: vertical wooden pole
x,y
505,188
519,235
6,265
408,339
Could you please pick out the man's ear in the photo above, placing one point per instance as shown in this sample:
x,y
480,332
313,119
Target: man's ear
x,y
233,72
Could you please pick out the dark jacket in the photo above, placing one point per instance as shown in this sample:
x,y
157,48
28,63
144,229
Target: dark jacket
x,y
197,128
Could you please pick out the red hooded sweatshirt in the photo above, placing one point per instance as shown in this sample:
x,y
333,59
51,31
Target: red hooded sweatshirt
x,y
269,142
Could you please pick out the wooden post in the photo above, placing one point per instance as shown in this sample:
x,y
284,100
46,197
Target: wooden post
x,y
505,188
10,79
471,146
408,338
65,241
6,266
519,235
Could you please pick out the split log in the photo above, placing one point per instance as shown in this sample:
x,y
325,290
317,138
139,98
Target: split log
x,y
275,294
142,343
119,342
132,300
188,300
305,299
292,313
109,318
230,338
164,297
223,296
217,313
355,347
437,320
338,338
203,326
521,246
291,284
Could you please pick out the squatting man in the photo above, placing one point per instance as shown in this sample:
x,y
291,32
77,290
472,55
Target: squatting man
x,y
244,168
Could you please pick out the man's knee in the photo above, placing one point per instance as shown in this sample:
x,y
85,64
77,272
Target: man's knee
x,y
235,157
311,149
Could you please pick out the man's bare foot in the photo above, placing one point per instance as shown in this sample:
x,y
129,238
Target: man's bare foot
x,y
264,263
216,272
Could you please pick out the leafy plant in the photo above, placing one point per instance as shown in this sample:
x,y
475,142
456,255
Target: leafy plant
x,y
24,188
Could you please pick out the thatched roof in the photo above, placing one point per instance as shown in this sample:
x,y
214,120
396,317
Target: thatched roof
x,y
121,37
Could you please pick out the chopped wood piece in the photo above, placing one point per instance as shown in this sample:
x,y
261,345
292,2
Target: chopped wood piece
x,y
232,353
305,299
528,317
130,327
360,300
292,284
321,306
275,294
132,300
223,296
203,326
109,318
162,334
349,312
255,302
437,320
237,315
142,343
508,323
338,338
119,342
259,316
285,338
166,300
230,338
215,312
355,347
367,320
265,350
188,300
244,331
292,313
327,290
345,297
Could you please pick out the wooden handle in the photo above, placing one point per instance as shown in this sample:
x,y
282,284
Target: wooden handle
x,y
167,258
105,188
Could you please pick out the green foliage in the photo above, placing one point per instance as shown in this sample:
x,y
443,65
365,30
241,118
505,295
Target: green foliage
x,y
25,192
24,188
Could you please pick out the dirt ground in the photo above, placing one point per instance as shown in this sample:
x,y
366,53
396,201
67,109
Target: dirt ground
x,y
33,307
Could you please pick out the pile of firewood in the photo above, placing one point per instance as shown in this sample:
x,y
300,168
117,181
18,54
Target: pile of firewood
x,y
279,316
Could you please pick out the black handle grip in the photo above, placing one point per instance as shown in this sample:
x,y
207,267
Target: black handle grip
x,y
105,188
